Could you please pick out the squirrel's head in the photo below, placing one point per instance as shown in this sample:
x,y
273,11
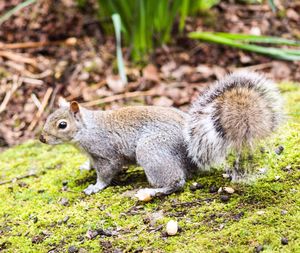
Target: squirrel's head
x,y
62,125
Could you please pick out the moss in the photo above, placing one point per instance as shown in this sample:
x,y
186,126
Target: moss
x,y
32,218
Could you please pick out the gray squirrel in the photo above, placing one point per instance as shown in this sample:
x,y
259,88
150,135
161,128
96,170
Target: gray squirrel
x,y
169,144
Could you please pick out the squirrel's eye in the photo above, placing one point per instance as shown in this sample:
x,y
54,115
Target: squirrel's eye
x,y
62,125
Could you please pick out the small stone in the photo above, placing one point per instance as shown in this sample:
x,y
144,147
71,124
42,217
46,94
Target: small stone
x,y
260,212
284,241
279,150
277,178
259,248
224,198
288,167
65,220
262,170
72,249
195,186
91,234
213,189
65,183
37,239
220,190
284,212
64,202
64,188
172,227
228,190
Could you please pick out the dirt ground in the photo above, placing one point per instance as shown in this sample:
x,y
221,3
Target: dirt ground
x,y
47,52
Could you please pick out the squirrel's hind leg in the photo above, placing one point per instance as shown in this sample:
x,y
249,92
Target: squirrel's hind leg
x,y
242,168
163,162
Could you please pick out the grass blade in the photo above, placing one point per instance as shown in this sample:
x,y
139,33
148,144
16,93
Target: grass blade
x,y
183,13
279,53
257,38
272,5
121,67
14,10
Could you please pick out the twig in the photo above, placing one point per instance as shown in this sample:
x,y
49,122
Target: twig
x,y
31,174
121,96
257,67
19,58
25,72
69,42
16,84
41,109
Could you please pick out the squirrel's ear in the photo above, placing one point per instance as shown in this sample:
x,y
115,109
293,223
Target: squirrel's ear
x,y
74,107
62,102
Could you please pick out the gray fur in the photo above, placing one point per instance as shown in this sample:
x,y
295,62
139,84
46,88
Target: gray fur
x,y
166,142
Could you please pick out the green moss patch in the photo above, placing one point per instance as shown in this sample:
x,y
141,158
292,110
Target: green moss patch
x,y
47,211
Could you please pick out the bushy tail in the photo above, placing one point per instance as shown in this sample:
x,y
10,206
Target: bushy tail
x,y
231,114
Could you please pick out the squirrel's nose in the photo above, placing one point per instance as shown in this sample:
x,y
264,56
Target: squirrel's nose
x,y
42,138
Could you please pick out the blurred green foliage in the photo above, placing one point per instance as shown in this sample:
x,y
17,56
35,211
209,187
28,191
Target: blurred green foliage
x,y
148,23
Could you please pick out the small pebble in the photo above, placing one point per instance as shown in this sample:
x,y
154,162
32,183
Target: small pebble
x,y
65,220
213,189
260,212
284,241
224,198
220,190
195,186
172,227
64,188
37,239
262,170
259,248
72,249
284,212
277,178
64,202
228,190
279,150
91,234
64,183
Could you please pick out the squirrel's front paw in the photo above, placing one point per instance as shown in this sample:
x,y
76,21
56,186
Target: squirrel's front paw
x,y
94,188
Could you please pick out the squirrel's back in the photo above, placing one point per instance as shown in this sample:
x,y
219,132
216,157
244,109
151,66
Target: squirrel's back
x,y
231,114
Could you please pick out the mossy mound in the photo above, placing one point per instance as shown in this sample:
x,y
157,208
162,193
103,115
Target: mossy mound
x,y
47,211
